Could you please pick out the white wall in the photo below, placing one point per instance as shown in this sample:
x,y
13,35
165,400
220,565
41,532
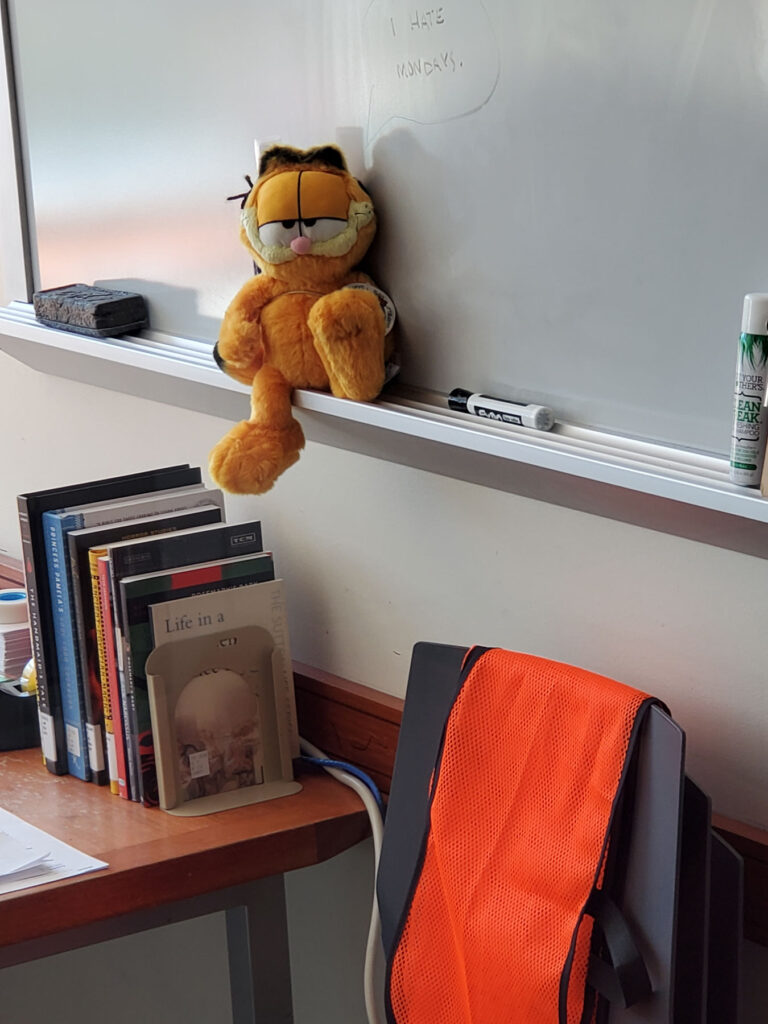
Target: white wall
x,y
378,556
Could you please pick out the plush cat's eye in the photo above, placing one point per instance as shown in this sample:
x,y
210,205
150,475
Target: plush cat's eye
x,y
279,232
320,229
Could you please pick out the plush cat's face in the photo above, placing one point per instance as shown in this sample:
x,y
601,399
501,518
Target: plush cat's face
x,y
306,216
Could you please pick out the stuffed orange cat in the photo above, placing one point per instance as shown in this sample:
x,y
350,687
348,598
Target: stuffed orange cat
x,y
308,320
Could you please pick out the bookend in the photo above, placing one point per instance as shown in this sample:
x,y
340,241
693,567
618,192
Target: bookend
x,y
19,726
675,887
218,739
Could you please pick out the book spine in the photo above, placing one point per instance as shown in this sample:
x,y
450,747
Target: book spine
x,y
285,697
113,681
84,641
122,651
132,733
71,695
97,595
48,698
139,648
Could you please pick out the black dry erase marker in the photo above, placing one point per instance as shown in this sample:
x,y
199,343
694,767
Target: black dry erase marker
x,y
501,411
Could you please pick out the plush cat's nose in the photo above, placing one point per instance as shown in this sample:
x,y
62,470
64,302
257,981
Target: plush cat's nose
x,y
301,245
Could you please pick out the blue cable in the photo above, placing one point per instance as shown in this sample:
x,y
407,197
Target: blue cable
x,y
351,769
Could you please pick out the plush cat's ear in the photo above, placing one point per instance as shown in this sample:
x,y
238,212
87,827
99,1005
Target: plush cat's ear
x,y
281,156
331,156
278,156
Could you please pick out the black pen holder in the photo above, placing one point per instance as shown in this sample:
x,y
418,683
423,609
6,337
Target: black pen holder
x,y
19,726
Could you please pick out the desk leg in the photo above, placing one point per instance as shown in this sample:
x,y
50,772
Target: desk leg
x,y
259,963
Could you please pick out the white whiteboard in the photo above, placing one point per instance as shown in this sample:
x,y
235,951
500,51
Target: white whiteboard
x,y
571,192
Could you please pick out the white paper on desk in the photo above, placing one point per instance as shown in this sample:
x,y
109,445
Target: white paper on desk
x,y
17,857
29,856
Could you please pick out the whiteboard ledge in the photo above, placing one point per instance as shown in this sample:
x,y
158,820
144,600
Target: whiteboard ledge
x,y
656,486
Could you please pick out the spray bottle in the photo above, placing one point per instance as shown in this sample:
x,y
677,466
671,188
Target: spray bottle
x,y
750,420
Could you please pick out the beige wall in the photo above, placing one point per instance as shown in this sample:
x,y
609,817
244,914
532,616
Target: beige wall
x,y
378,556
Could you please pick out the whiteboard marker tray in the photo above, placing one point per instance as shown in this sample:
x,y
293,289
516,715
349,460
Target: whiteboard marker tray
x,y
674,490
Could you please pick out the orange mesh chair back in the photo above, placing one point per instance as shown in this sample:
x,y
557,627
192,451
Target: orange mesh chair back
x,y
519,802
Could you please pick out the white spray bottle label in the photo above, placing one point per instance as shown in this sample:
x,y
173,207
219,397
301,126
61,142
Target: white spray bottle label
x,y
749,417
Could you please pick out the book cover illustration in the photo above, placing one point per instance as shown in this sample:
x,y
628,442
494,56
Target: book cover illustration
x,y
137,595
217,722
31,507
84,736
219,739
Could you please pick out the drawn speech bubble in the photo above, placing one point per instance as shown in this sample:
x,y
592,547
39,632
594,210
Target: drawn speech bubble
x,y
427,64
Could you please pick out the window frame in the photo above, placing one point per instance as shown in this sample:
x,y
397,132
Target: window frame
x,y
16,276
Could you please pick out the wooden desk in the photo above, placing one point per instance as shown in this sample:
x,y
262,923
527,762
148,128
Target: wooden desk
x,y
164,869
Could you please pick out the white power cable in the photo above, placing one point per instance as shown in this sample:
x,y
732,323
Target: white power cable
x,y
373,946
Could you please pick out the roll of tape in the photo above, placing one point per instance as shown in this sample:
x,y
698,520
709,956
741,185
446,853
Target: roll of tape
x,y
13,606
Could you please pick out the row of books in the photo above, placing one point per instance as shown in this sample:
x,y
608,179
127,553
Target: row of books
x,y
115,569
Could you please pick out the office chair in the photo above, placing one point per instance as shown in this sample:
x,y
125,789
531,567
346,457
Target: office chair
x,y
545,858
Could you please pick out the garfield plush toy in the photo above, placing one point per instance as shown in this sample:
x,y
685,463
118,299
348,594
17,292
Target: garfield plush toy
x,y
308,320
